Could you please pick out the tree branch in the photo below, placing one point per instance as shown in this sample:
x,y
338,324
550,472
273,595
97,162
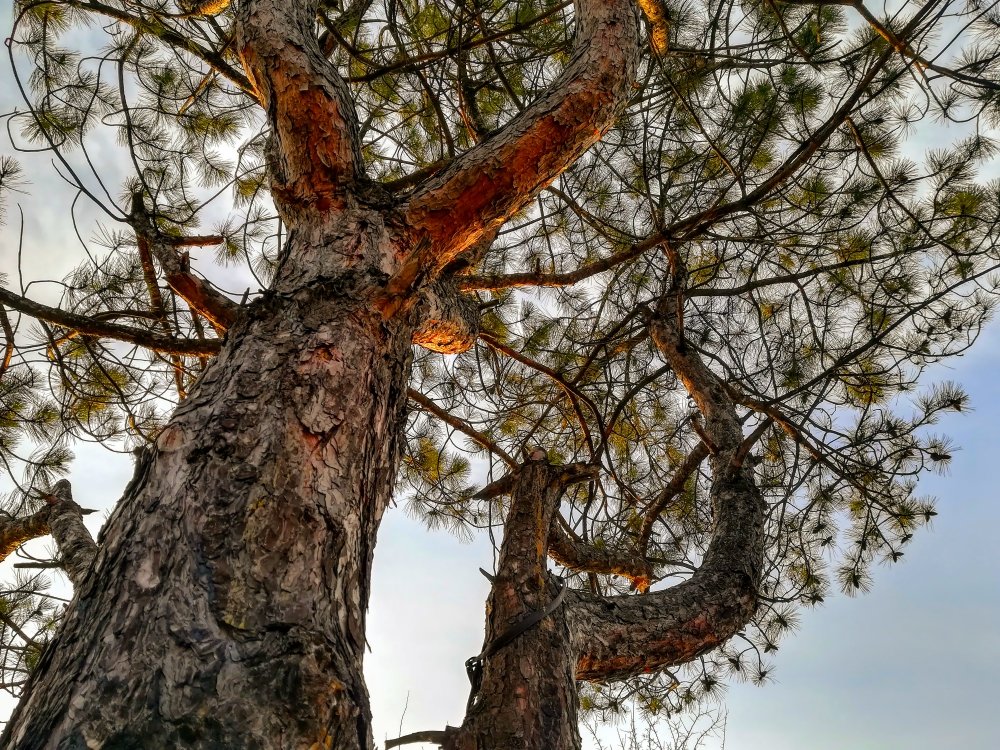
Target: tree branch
x,y
674,487
216,307
629,635
16,531
95,327
693,226
76,546
156,28
316,158
435,736
430,407
492,181
580,557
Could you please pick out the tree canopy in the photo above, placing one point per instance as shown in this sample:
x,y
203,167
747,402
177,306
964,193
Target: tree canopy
x,y
764,226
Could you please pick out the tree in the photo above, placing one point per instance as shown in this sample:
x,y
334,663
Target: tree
x,y
669,276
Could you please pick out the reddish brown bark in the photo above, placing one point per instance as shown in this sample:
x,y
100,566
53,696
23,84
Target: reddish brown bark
x,y
484,187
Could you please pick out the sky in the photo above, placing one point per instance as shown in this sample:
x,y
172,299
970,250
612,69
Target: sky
x,y
912,665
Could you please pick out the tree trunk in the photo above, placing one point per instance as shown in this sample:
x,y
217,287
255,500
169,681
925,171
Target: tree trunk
x,y
226,606
528,696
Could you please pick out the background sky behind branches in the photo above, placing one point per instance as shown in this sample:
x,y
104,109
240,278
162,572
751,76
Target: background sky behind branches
x,y
911,666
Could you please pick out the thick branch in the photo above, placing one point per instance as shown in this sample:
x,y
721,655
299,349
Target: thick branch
x,y
580,557
316,154
626,636
17,531
435,736
527,649
76,546
92,326
492,181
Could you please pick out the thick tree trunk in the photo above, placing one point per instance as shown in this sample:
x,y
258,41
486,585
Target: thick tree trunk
x,y
226,605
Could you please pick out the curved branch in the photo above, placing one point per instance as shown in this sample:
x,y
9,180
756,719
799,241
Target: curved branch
x,y
580,557
630,635
95,327
492,181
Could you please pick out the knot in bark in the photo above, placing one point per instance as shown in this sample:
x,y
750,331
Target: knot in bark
x,y
448,321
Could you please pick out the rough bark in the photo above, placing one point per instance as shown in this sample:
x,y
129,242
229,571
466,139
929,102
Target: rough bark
x,y
17,531
315,150
528,694
76,546
226,607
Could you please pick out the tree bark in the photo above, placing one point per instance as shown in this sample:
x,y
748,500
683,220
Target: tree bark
x,y
76,546
226,605
527,698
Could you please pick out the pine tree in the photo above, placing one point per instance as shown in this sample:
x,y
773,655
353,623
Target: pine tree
x,y
669,273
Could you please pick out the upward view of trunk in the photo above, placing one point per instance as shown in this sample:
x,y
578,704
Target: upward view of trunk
x,y
527,698
226,605
521,185
538,645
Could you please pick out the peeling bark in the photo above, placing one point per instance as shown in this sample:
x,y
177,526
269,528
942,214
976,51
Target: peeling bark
x,y
481,189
